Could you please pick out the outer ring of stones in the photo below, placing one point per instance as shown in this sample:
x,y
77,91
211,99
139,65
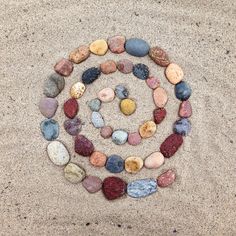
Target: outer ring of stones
x,y
114,187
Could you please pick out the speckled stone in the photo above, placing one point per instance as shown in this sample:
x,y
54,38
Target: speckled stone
x,y
183,91
99,47
134,139
115,164
141,188
160,97
49,129
108,67
127,106
97,120
83,146
159,56
147,129
94,104
174,73
159,115
121,91
73,126
92,184
166,178
77,90
154,160
106,95
125,66
98,159
119,137
106,131
137,47
90,75
79,54
182,126
153,82
133,164
141,71
71,108
116,44
64,67
48,106
74,173
185,109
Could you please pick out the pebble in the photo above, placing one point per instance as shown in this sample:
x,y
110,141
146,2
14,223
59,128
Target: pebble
x,y
97,120
133,164
98,159
166,179
174,73
141,188
148,129
106,95
116,44
71,108
95,104
171,144
49,129
159,115
83,146
106,131
53,85
159,56
64,67
115,164
79,54
58,153
185,109
127,106
154,160
153,82
182,127
73,126
77,90
108,67
134,139
182,91
113,187
99,47
125,66
74,173
121,91
48,106
141,71
160,97
90,75
119,137
92,184
137,47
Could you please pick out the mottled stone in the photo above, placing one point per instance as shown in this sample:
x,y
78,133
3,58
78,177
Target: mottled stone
x,y
125,66
137,47
185,109
133,164
98,159
99,47
90,75
182,126
183,91
49,129
71,108
79,54
92,184
121,91
83,146
97,120
74,173
73,126
64,67
148,129
174,73
153,82
166,178
115,164
134,139
106,131
141,71
108,67
95,104
119,137
127,106
159,115
159,56
154,160
77,90
160,97
106,95
116,44
48,106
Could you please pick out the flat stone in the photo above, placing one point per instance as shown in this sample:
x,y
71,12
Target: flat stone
x,y
77,90
71,108
141,188
174,73
98,159
74,173
115,164
106,131
160,97
95,104
73,126
121,91
64,67
159,115
83,146
141,71
108,67
185,109
137,47
92,184
116,44
154,160
79,54
127,106
148,129
119,137
49,129
183,91
97,120
166,179
153,82
125,66
58,153
159,56
106,95
48,106
133,164
90,75
134,139
182,126
99,47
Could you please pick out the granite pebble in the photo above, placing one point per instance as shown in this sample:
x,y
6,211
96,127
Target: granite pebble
x,y
64,67
79,54
125,66
159,56
159,115
90,75
121,91
141,71
116,44
166,178
77,90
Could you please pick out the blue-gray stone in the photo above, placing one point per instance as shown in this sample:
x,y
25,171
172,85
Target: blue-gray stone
x,y
141,71
137,47
90,75
97,120
49,129
115,164
119,137
141,188
121,91
182,126
94,104
183,91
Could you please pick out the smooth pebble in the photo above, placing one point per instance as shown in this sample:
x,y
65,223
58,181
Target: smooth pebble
x,y
119,137
97,119
48,106
159,56
49,129
108,67
182,126
94,104
166,178
92,184
116,44
98,159
73,126
141,71
134,138
137,47
74,173
127,106
115,164
159,115
90,75
133,164
185,109
153,82
99,47
183,91
160,97
154,160
79,54
106,131
71,108
147,129
83,146
77,90
106,95
125,66
121,91
174,73
64,67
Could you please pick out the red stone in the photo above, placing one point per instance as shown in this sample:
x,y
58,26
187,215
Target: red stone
x,y
113,187
83,146
185,109
159,115
170,146
71,108
64,67
166,179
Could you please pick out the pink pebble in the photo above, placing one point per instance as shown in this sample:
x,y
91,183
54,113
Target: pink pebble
x,y
106,131
185,109
116,44
134,138
125,66
153,82
64,67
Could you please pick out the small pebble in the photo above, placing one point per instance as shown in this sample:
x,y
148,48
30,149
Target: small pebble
x,y
58,153
95,104
141,71
73,126
153,82
160,97
90,75
119,137
134,139
97,120
106,131
121,91
106,95
49,129
174,73
115,164
127,106
108,67
77,90
182,91
48,106
154,160
159,56
83,146
79,54
74,173
137,47
133,164
185,109
98,47
166,179
148,129
182,127
92,184
125,66
98,159
116,44
71,108
64,67
159,115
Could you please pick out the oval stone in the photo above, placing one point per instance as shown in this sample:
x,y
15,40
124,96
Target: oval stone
x,y
160,97
79,54
134,138
153,82
58,153
127,106
141,71
49,129
115,164
137,47
64,67
154,160
106,131
97,120
119,137
125,66
108,67
48,106
133,164
98,159
71,108
121,91
94,104
83,146
74,173
159,56
92,184
185,109
141,188
73,126
159,115
77,90
99,47
106,95
116,44
183,91
182,127
174,73
166,179
148,129
90,75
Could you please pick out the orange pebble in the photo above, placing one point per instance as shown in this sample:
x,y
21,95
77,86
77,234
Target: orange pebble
x,y
98,159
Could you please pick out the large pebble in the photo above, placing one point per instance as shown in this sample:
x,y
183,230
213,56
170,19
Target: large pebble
x,y
58,153
182,91
116,44
153,82
141,188
53,85
182,126
115,164
48,106
90,75
159,56
108,67
185,109
106,95
141,71
106,131
134,139
127,106
79,54
137,47
98,159
71,108
160,97
94,104
97,120
83,146
121,91
92,184
119,137
64,67
73,126
174,73
154,160
74,173
133,164
125,66
98,47
166,179
77,90
148,129
49,129
159,115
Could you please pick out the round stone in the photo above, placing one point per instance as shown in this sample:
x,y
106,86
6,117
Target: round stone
x,y
106,95
127,106
98,159
159,115
174,73
73,126
154,160
182,91
97,120
153,82
113,187
185,109
148,129
159,56
182,127
58,153
49,129
53,85
99,47
79,54
74,173
134,139
125,66
141,71
160,97
121,91
137,47
77,90
133,164
166,179
106,131
108,67
115,164
48,106
92,184
119,137
64,67
71,108
116,44
90,75
94,104
83,146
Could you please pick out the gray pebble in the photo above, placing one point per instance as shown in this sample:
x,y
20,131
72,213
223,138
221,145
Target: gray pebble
x,y
97,120
49,129
182,126
121,91
94,104
119,137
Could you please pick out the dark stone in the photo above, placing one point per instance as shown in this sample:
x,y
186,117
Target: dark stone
x,y
90,75
141,71
83,146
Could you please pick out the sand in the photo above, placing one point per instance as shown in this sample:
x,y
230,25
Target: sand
x,y
199,35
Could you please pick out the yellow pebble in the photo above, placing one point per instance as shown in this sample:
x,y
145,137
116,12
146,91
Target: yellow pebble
x,y
133,164
77,90
127,106
147,129
99,47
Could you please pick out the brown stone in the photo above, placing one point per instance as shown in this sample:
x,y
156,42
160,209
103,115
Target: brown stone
x,y
98,159
64,67
108,67
159,56
79,54
116,44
